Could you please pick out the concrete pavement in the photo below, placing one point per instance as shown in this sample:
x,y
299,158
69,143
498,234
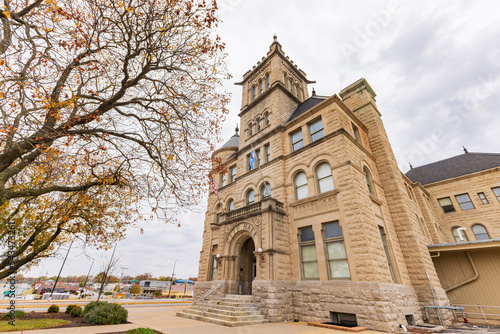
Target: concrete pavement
x,y
163,319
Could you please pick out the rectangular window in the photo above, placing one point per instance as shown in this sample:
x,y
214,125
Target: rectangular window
x,y
267,150
338,267
496,191
356,133
297,140
257,155
483,198
465,202
316,130
223,179
387,254
308,258
232,173
214,267
446,205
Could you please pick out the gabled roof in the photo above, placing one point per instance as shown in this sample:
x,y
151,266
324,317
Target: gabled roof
x,y
459,165
305,106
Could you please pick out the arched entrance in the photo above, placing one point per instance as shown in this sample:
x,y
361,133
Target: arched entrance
x,y
247,267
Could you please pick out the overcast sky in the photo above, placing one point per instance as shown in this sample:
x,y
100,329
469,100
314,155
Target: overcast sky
x,y
435,67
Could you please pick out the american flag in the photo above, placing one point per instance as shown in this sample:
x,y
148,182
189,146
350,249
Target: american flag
x,y
214,187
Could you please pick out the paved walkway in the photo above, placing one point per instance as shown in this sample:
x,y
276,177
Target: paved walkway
x,y
163,319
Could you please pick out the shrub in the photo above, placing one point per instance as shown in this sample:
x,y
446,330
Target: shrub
x,y
69,308
18,315
108,293
90,306
140,331
105,314
53,309
76,311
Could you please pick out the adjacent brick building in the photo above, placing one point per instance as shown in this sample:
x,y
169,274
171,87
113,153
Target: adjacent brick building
x,y
339,232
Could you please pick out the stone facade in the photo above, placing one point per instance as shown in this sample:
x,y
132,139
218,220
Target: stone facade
x,y
377,266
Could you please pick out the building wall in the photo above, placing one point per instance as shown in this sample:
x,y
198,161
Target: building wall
x,y
487,215
371,292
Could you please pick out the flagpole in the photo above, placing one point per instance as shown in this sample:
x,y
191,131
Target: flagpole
x,y
260,170
216,193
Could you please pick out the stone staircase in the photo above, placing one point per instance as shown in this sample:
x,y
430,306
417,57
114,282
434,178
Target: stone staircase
x,y
231,310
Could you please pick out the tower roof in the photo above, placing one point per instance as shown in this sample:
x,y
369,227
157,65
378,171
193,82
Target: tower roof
x,y
234,141
459,165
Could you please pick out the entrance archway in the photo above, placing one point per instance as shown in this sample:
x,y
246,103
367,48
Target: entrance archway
x,y
247,267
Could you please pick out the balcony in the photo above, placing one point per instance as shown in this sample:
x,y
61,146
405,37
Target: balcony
x,y
267,204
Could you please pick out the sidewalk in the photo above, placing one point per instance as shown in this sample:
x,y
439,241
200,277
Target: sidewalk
x,y
163,319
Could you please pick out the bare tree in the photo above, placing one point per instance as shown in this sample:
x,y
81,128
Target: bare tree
x,y
109,268
105,105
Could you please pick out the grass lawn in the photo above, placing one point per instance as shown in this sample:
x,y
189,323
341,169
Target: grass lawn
x,y
22,325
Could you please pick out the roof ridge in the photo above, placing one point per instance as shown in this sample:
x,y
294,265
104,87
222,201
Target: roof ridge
x,y
455,156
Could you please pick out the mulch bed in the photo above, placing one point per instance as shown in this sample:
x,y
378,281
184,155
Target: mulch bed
x,y
75,322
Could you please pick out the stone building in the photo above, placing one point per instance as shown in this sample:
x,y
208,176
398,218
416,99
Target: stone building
x,y
328,228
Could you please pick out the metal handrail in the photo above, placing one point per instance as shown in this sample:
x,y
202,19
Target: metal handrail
x,y
208,293
481,307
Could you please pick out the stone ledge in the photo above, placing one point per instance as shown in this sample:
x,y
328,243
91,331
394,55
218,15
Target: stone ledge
x,y
342,328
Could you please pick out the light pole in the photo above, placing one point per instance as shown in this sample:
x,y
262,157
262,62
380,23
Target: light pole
x,y
86,278
57,279
172,282
118,286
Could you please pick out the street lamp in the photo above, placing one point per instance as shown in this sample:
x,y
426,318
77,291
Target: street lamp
x,y
172,282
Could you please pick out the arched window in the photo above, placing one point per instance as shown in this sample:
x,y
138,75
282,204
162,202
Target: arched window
x,y
258,125
254,92
324,177
480,232
217,214
368,178
284,79
459,234
300,184
250,197
250,129
290,83
264,193
267,119
261,87
268,82
230,205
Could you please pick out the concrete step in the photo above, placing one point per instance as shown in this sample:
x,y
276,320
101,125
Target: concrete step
x,y
232,310
228,315
248,297
220,321
228,307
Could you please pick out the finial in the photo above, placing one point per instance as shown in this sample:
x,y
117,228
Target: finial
x,y
237,129
465,150
275,38
411,167
313,92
